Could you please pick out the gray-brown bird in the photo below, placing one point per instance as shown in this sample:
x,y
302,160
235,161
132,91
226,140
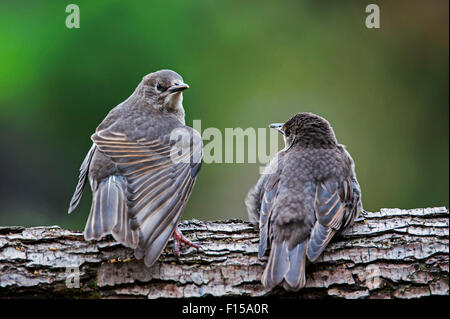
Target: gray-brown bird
x,y
142,167
308,194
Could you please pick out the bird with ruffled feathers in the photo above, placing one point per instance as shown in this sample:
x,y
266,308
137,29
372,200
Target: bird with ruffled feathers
x,y
307,195
140,185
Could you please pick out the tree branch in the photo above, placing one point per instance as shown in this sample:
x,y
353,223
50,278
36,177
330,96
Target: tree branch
x,y
391,254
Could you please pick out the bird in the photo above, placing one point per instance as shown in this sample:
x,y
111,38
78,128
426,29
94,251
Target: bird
x,y
142,168
307,194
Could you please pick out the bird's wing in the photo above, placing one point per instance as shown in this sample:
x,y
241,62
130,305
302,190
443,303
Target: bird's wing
x,y
264,217
336,205
253,200
268,196
160,175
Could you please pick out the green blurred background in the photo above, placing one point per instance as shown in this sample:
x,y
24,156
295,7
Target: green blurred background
x,y
385,91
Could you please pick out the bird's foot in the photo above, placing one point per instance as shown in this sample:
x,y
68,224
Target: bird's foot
x,y
178,240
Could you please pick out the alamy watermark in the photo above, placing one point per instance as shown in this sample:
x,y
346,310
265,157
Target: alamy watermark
x,y
73,18
233,145
373,19
73,277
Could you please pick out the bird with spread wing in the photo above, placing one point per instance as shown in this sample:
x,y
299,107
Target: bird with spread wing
x,y
142,168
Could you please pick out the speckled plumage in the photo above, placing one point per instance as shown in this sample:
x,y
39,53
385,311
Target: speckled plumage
x,y
140,188
309,194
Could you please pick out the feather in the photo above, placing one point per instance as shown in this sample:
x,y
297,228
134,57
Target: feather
x,y
295,277
109,213
84,169
160,175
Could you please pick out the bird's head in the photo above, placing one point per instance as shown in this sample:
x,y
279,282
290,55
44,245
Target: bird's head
x,y
307,129
164,90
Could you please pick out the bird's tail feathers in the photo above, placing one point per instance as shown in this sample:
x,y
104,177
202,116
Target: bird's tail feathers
x,y
286,266
109,213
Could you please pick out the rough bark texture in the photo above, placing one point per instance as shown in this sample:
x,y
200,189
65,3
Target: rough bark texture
x,y
389,254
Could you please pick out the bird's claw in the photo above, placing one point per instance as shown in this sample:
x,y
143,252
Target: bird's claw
x,y
179,240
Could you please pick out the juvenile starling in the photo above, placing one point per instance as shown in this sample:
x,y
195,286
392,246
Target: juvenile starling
x,y
308,194
142,167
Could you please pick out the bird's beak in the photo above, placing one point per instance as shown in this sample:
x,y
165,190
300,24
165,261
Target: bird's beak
x,y
277,126
178,87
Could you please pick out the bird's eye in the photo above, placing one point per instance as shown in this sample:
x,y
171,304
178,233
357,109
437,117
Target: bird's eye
x,y
287,133
159,87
